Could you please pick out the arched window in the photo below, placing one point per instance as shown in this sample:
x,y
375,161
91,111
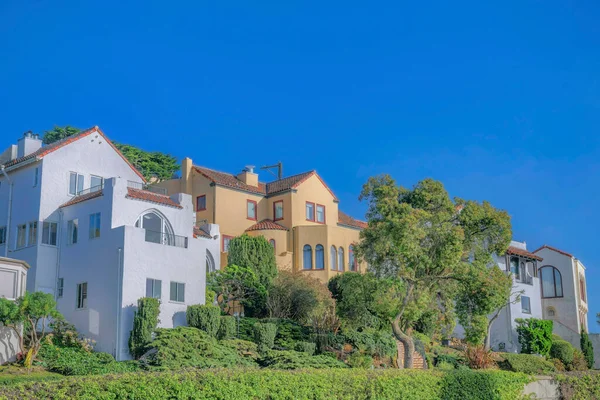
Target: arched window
x,y
351,259
333,259
307,257
158,229
582,288
340,259
272,243
551,282
551,312
319,257
210,263
514,266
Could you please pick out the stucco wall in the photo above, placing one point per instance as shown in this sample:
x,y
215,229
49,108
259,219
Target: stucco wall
x,y
312,190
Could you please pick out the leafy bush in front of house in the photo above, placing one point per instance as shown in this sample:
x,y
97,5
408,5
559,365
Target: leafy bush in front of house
x,y
372,342
295,360
145,321
77,361
264,335
535,335
587,349
562,350
289,333
306,347
204,317
526,363
227,327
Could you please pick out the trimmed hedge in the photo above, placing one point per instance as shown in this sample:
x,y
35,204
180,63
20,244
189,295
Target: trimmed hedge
x,y
227,328
264,336
295,360
204,317
306,347
526,363
275,385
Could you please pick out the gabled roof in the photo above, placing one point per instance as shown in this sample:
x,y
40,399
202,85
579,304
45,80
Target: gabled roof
x,y
346,220
266,224
45,150
151,197
521,252
564,253
82,198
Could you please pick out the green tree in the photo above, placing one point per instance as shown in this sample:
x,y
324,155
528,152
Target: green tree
x,y
422,239
535,335
11,317
145,321
59,133
256,253
587,349
238,285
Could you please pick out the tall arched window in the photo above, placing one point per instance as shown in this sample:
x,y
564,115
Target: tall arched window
x,y
351,259
340,259
158,229
272,243
307,257
210,263
551,282
319,257
333,258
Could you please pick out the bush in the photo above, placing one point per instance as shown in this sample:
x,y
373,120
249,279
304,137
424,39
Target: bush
x,y
478,357
357,360
246,328
526,363
445,366
204,317
289,333
264,335
294,360
579,386
579,362
563,351
306,347
452,359
145,321
587,349
373,343
227,327
245,349
535,335
64,334
76,361
209,296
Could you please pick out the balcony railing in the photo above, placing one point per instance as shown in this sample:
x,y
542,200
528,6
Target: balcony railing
x,y
149,188
167,239
525,278
91,190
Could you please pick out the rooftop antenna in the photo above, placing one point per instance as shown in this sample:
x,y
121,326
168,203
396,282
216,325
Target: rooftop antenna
x,y
279,167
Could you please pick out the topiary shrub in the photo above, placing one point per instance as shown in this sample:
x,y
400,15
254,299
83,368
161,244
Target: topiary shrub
x,y
357,360
264,336
145,321
204,317
587,349
306,347
535,335
227,327
562,350
526,363
294,360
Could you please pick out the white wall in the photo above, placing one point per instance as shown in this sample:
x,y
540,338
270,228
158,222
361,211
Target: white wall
x,y
13,275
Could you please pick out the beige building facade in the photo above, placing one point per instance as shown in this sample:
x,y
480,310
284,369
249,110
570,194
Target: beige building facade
x,y
299,215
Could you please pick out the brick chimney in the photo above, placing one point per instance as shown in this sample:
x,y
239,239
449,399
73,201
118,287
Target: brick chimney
x,y
248,176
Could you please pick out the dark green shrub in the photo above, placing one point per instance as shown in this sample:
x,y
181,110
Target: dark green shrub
x,y
204,317
76,361
145,320
362,361
244,348
535,335
484,385
306,347
451,359
264,335
587,349
580,385
256,253
294,360
227,327
526,363
246,328
289,333
562,350
374,343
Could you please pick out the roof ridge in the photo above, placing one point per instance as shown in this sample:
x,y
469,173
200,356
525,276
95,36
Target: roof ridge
x,y
545,246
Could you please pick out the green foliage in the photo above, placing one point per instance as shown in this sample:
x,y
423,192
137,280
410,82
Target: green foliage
x,y
227,327
59,133
580,386
76,361
358,360
290,332
204,317
145,321
579,362
306,347
256,253
562,350
587,349
264,335
245,349
371,342
526,363
209,297
295,360
64,334
483,385
535,335
239,284
445,366
452,359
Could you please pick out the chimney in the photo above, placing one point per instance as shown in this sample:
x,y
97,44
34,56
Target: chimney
x,y
186,175
248,176
28,144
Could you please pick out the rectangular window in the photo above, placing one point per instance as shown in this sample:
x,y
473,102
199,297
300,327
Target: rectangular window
x,y
177,292
82,295
75,183
72,231
226,240
525,305
320,214
153,288
201,203
94,226
251,209
278,210
21,236
310,211
32,233
96,183
2,235
60,287
49,233
36,176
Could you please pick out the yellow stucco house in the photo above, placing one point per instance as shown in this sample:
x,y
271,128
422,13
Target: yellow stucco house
x,y
298,215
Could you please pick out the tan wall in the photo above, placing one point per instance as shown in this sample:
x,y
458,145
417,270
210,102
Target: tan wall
x,y
172,185
314,191
202,186
287,209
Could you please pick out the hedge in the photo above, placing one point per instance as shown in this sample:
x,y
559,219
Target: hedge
x,y
526,363
204,317
580,385
275,385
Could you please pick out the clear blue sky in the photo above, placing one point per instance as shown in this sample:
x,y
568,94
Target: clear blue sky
x,y
499,102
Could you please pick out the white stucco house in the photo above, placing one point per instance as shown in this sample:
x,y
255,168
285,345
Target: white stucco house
x,y
98,238
13,278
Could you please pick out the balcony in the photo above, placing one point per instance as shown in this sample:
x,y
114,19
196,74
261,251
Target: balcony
x,y
167,239
525,278
149,188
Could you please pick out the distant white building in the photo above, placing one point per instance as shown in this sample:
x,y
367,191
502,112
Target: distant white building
x,y
98,238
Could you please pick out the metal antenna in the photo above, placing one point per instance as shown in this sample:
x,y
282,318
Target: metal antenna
x,y
279,167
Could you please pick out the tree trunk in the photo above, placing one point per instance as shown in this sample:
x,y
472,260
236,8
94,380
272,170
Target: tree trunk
x,y
407,342
488,335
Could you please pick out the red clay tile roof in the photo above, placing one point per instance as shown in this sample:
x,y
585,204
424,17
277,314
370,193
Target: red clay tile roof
x,y
289,182
520,252
151,197
266,224
199,232
564,253
345,219
45,150
83,197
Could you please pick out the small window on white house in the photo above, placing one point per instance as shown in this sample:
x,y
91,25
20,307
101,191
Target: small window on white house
x,y
153,288
96,183
36,176
177,292
2,235
525,305
60,285
49,233
82,295
75,183
21,236
72,231
32,233
94,226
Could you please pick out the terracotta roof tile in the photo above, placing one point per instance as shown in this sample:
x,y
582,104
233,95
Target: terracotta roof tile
x,y
266,224
82,197
199,232
564,253
287,183
345,219
520,252
151,197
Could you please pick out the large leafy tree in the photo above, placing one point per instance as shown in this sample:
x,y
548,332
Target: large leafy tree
x,y
155,166
423,240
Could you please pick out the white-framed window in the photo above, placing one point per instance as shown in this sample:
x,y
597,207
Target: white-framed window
x,y
177,292
320,214
60,286
36,176
82,295
49,233
96,183
153,288
525,305
72,231
2,235
75,183
95,223
21,236
32,236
